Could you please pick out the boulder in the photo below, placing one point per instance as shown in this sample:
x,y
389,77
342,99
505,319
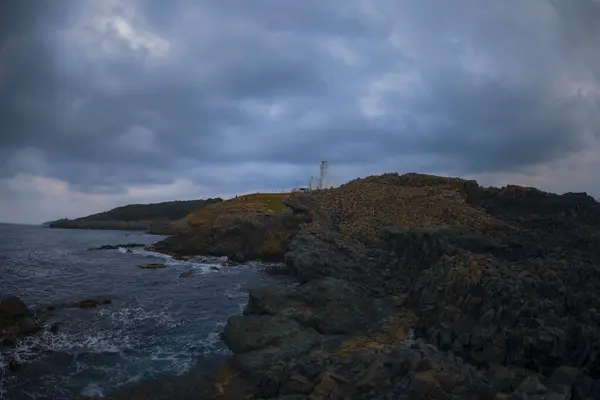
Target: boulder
x,y
90,303
245,333
16,320
283,349
152,266
331,305
311,258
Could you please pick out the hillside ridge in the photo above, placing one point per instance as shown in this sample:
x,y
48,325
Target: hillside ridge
x,y
154,217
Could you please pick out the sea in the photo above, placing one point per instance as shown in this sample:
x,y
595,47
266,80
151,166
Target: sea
x,y
158,327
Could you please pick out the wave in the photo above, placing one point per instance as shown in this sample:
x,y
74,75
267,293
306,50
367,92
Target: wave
x,y
119,347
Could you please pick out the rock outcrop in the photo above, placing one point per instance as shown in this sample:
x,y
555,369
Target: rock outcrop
x,y
16,320
253,227
423,287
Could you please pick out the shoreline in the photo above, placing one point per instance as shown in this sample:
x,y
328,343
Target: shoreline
x,y
444,290
474,289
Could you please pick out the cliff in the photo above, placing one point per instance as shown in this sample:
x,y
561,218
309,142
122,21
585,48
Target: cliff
x,y
424,287
253,226
410,287
155,218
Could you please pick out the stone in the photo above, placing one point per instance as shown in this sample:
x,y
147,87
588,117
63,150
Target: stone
x,y
16,320
251,332
423,385
152,266
502,379
13,307
583,387
90,303
284,348
563,379
325,389
447,380
372,375
555,396
13,366
27,326
531,386
297,384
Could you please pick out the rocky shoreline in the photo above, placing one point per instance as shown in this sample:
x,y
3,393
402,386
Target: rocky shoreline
x,y
499,286
414,287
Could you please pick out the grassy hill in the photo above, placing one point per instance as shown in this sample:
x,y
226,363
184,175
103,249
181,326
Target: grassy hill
x,y
246,205
136,216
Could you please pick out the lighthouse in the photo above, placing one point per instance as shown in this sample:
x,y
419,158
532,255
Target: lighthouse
x,y
322,182
324,175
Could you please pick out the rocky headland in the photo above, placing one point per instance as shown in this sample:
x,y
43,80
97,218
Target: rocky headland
x,y
416,287
410,287
156,218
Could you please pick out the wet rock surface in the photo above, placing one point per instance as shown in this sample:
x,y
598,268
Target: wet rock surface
x,y
16,321
442,290
127,246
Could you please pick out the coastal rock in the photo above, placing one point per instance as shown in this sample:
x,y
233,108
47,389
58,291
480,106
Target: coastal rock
x,y
331,305
245,333
90,303
16,320
504,284
127,246
251,227
310,257
152,266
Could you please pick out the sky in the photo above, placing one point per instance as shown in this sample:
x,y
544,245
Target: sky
x,y
105,103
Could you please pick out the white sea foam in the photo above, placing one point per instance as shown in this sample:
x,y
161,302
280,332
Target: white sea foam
x,y
93,389
138,362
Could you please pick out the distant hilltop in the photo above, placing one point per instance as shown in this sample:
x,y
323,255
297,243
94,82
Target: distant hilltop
x,y
155,217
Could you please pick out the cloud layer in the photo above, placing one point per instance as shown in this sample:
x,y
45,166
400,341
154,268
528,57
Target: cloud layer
x,y
106,103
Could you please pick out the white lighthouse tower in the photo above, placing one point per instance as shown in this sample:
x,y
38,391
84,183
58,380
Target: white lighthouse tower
x,y
322,182
324,175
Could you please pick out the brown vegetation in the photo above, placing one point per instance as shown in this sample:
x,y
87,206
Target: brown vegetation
x,y
246,206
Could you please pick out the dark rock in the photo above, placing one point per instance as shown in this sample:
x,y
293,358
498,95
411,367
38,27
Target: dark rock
x,y
583,388
13,366
311,258
15,321
13,307
237,257
332,306
27,326
423,385
563,379
505,280
127,246
245,333
340,308
282,349
90,303
532,386
152,266
297,383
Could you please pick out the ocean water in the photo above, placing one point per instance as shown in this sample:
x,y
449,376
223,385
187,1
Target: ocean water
x,y
158,326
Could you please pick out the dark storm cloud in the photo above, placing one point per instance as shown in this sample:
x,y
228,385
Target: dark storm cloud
x,y
200,87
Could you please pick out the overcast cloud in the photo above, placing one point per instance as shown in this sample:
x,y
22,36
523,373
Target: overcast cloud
x,y
105,102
